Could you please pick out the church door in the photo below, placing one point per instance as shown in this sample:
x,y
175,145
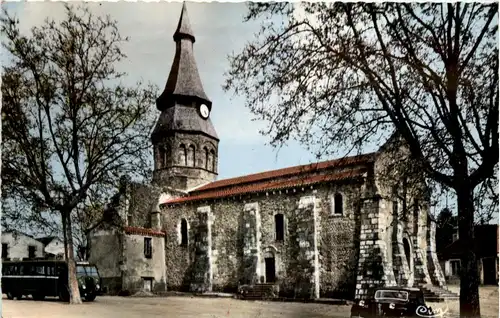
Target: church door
x,y
270,270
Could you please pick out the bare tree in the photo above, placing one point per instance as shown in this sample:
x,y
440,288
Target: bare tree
x,y
336,75
70,125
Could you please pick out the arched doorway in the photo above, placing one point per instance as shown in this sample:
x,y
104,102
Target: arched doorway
x,y
406,246
270,264
270,269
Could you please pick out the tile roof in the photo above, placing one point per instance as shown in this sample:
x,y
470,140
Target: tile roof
x,y
279,179
290,171
184,78
143,231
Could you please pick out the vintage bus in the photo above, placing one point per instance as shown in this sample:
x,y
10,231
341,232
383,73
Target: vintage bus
x,y
41,278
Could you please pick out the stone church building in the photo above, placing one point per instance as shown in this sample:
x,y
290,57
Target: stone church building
x,y
328,229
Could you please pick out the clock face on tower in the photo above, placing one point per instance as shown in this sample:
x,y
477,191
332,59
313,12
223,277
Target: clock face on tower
x,y
204,111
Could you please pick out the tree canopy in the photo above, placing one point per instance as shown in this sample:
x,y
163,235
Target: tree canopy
x,y
71,127
341,76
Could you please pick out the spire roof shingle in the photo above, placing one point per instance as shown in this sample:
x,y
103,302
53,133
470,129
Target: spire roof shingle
x,y
184,81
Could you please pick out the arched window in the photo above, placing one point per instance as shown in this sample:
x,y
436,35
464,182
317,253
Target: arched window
x,y
206,157
184,233
182,155
158,156
210,161
191,156
212,155
338,204
395,208
279,223
162,156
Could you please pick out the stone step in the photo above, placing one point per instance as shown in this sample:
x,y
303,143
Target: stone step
x,y
260,291
437,294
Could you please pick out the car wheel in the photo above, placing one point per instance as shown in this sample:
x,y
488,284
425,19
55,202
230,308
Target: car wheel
x,y
10,295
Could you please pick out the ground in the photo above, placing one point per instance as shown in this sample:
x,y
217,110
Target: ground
x,y
184,307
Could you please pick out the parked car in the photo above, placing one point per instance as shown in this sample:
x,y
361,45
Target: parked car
x,y
393,302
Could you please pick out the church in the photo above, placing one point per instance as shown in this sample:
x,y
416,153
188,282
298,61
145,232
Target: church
x,y
328,229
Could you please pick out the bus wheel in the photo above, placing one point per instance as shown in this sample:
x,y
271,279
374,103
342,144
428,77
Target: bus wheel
x,y
90,297
64,295
10,295
38,296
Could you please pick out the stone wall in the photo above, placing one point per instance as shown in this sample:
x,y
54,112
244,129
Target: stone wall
x,y
339,247
243,235
141,198
192,171
202,264
251,232
435,271
138,267
106,254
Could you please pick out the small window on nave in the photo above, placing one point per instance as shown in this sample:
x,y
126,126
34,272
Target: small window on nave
x,y
184,233
395,207
337,204
279,222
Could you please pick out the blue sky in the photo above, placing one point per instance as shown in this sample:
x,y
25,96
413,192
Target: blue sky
x,y
219,30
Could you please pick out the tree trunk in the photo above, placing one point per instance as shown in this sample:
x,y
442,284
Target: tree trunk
x,y
87,246
65,236
469,276
74,292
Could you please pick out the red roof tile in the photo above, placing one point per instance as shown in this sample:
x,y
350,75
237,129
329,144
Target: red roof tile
x,y
143,231
264,185
286,172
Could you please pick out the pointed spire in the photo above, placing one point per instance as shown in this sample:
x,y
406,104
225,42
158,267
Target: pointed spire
x,y
184,81
184,27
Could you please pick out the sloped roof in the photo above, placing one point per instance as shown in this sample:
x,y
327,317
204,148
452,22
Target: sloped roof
x,y
182,119
297,176
47,239
143,231
184,79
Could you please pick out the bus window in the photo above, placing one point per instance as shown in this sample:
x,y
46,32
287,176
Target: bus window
x,y
60,269
9,270
39,270
50,269
24,270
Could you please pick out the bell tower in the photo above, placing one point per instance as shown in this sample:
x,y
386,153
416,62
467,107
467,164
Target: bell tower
x,y
184,140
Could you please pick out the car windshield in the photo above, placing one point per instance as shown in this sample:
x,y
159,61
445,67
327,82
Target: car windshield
x,y
391,294
86,270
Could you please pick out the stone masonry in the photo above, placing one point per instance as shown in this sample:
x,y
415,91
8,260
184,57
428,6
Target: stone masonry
x,y
251,244
202,263
325,229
